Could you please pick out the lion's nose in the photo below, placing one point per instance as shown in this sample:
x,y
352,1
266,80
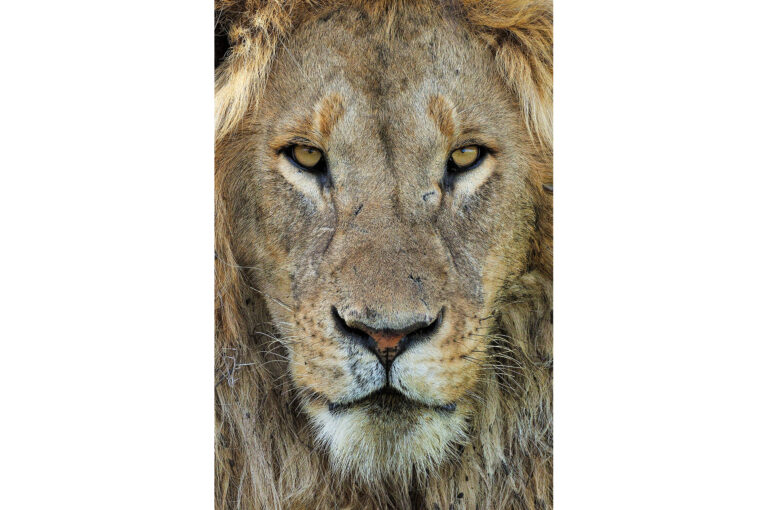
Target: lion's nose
x,y
387,339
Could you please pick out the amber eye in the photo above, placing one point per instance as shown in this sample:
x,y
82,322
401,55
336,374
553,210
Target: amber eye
x,y
465,157
308,158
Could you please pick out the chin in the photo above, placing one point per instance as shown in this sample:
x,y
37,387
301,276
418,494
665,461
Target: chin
x,y
386,436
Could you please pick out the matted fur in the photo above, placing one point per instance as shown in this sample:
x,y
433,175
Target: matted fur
x,y
266,454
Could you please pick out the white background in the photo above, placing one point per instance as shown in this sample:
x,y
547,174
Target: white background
x,y
106,214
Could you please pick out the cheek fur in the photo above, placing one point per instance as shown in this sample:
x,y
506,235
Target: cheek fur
x,y
448,369
327,366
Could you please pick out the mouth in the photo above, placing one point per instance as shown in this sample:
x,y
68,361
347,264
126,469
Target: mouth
x,y
387,399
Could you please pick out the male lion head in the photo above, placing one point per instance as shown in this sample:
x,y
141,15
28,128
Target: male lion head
x,y
380,190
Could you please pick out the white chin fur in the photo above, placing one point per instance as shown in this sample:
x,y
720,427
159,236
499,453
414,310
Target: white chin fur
x,y
373,446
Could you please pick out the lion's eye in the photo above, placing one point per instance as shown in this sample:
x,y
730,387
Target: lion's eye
x,y
306,157
465,158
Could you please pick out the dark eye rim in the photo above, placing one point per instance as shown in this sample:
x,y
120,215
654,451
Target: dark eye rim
x,y
319,168
453,168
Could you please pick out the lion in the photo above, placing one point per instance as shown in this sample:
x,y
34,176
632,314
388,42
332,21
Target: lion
x,y
384,254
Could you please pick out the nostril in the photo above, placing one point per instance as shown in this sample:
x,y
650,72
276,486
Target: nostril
x,y
430,328
355,334
422,334
342,324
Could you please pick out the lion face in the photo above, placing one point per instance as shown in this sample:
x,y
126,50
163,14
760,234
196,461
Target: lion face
x,y
384,201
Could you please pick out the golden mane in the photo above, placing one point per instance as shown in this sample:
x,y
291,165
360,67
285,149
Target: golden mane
x,y
265,457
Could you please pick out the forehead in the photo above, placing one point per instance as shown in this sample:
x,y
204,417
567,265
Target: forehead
x,y
392,71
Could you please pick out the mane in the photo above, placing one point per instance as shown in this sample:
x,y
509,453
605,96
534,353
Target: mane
x,y
266,455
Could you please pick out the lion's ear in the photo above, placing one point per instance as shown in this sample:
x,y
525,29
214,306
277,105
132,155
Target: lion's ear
x,y
520,33
252,29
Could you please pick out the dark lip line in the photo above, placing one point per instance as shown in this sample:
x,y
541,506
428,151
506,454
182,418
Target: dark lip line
x,y
334,407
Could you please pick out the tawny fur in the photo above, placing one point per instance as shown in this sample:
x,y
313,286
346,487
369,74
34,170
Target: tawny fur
x,y
266,454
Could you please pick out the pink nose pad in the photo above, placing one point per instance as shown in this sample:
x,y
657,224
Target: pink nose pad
x,y
386,342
